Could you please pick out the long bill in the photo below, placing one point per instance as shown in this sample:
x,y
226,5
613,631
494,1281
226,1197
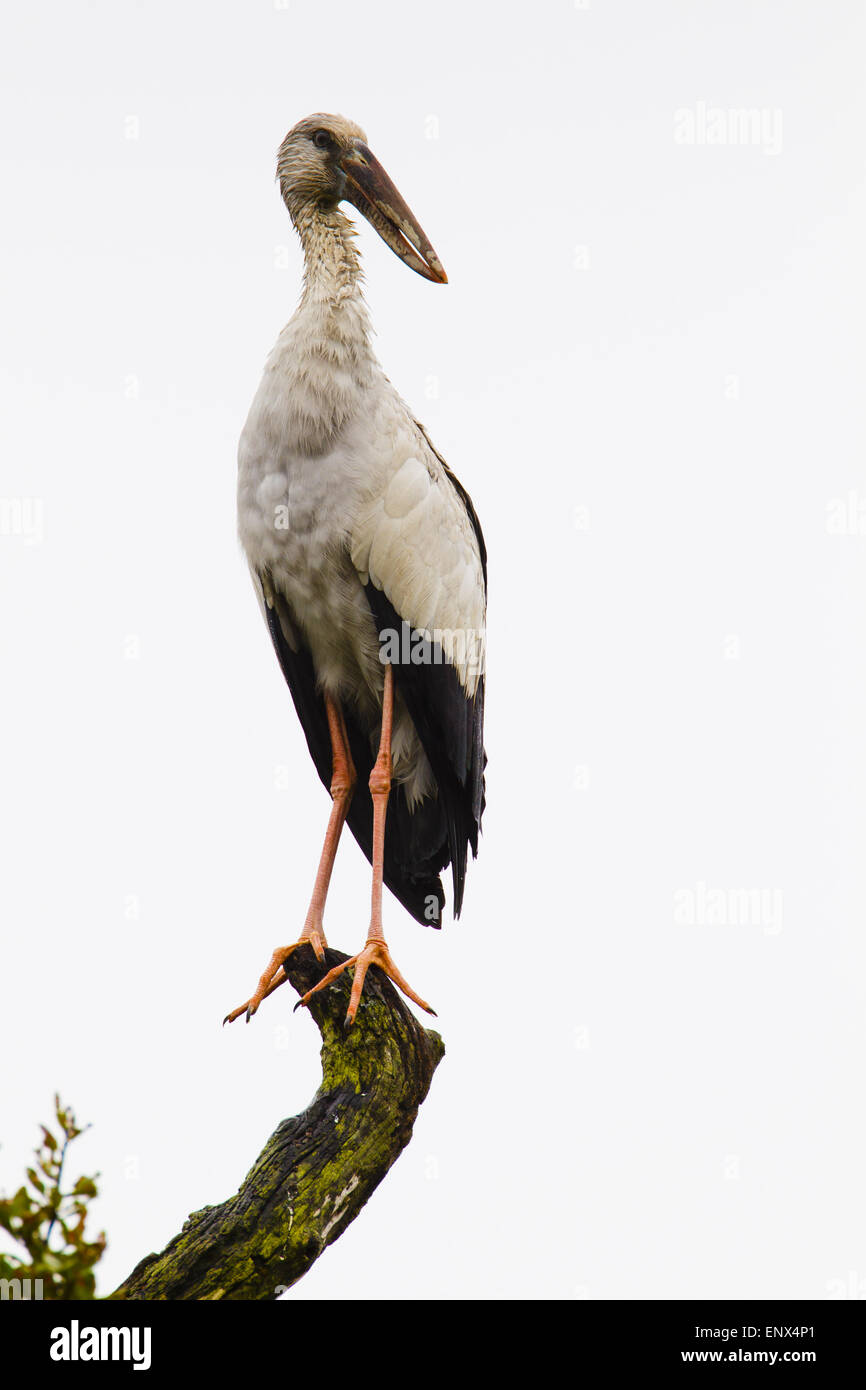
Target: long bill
x,y
371,191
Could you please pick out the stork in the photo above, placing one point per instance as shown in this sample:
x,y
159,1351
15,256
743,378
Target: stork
x,y
369,564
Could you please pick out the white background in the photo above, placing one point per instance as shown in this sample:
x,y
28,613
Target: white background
x,y
648,371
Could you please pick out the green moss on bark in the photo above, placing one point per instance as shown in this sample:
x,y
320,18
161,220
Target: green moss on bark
x,y
319,1168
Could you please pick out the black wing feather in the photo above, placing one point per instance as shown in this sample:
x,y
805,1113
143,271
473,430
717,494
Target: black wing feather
x,y
419,843
449,724
413,841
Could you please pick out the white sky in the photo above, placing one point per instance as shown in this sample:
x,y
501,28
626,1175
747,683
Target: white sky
x,y
648,370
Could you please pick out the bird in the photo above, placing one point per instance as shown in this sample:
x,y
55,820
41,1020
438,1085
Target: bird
x,y
370,567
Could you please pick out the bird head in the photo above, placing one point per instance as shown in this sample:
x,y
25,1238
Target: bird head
x,y
325,160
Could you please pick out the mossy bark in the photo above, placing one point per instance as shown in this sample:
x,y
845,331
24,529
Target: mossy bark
x,y
317,1170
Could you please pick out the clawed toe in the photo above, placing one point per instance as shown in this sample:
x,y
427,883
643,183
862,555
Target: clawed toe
x,y
375,952
272,977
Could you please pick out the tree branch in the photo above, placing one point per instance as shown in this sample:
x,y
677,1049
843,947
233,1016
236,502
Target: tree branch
x,y
317,1170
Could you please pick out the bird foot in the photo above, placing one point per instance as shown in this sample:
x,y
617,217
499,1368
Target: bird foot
x,y
375,952
271,978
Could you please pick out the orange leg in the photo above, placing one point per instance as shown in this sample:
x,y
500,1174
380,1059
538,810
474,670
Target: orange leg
x,y
343,782
375,951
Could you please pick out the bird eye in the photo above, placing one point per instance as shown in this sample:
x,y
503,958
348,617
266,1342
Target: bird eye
x,y
322,139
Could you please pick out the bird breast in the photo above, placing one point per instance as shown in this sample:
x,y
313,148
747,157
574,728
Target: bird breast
x,y
297,512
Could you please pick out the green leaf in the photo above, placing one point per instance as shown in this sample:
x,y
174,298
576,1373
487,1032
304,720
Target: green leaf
x,y
35,1180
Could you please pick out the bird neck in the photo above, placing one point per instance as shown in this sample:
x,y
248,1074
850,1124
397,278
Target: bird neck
x,y
332,275
323,362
